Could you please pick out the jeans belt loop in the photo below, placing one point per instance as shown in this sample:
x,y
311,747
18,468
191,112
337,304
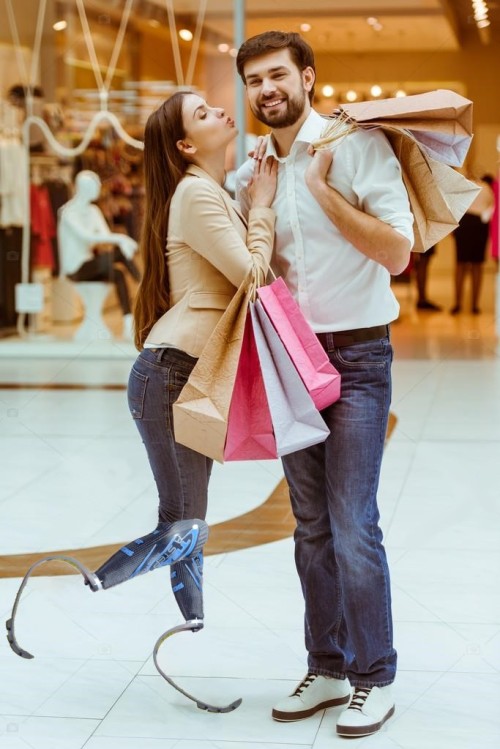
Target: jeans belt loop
x,y
341,338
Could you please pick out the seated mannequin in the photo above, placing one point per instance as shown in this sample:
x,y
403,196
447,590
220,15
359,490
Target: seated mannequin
x,y
82,226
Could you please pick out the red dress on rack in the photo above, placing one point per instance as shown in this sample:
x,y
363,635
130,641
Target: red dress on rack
x,y
43,228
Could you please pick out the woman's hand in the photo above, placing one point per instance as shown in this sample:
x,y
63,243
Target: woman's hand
x,y
260,148
262,186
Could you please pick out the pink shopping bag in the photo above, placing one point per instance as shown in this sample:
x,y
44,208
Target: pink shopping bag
x,y
320,377
250,434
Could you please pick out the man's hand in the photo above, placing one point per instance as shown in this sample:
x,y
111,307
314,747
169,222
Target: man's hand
x,y
317,170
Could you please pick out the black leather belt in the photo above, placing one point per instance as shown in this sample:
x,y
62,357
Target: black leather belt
x,y
341,338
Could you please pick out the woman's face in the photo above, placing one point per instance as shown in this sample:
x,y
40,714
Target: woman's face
x,y
207,129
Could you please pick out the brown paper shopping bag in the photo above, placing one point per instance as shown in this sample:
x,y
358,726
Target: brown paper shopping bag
x,y
442,110
201,412
440,120
439,196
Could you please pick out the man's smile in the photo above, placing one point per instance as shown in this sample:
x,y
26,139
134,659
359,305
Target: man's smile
x,y
272,103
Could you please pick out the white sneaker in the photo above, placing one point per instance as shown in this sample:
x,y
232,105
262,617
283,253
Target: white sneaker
x,y
368,710
312,694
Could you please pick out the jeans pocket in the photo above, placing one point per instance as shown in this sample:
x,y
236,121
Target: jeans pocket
x,y
377,354
180,377
136,392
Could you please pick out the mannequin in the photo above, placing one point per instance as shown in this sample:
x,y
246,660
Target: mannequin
x,y
81,226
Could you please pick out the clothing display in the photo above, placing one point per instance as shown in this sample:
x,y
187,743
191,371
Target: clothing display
x,y
13,213
43,228
59,194
13,169
10,273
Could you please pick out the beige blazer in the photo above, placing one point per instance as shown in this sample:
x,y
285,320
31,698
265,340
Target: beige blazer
x,y
210,249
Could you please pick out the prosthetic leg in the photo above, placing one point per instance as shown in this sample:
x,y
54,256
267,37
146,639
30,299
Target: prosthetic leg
x,y
178,545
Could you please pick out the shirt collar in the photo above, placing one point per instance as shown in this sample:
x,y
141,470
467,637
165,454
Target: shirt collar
x,y
310,130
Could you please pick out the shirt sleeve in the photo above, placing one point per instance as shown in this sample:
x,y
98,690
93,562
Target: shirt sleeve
x,y
243,176
208,229
378,182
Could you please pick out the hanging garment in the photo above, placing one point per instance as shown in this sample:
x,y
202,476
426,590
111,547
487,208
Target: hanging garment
x,y
43,228
59,194
13,171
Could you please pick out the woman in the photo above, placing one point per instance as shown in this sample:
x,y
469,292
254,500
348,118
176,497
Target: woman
x,y
185,289
471,238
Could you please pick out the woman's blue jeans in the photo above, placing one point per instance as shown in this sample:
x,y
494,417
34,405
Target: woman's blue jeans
x,y
181,474
339,553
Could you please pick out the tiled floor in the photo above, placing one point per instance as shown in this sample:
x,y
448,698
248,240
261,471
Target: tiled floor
x,y
74,475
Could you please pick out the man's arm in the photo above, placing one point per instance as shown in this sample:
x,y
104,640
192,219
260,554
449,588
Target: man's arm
x,y
374,238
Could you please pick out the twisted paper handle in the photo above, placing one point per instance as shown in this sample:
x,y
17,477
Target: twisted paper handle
x,y
338,126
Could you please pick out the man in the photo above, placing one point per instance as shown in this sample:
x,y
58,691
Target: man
x,y
343,227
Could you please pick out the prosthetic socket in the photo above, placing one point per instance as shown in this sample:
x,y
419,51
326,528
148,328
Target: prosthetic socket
x,y
176,544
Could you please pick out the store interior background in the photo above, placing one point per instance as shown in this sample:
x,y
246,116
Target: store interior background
x,y
74,475
399,45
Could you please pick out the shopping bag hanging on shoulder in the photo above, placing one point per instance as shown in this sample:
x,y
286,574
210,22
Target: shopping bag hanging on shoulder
x,y
250,433
296,421
318,374
441,121
439,195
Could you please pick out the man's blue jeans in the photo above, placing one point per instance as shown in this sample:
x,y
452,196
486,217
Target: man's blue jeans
x,y
181,474
339,553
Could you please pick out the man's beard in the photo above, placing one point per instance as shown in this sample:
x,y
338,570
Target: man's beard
x,y
294,110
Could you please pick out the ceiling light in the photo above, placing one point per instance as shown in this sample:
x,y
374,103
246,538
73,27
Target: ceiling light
x,y
223,47
305,27
480,8
186,34
375,91
233,52
377,27
59,25
154,23
400,93
328,91
351,95
371,21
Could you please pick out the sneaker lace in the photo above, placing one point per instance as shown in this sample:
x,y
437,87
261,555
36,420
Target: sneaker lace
x,y
359,698
306,682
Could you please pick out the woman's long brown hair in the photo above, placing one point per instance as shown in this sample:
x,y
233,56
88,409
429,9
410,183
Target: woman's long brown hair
x,y
164,167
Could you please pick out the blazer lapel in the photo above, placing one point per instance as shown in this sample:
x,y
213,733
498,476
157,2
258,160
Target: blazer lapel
x,y
231,205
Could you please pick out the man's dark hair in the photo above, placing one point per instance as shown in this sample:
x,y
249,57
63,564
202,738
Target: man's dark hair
x,y
272,41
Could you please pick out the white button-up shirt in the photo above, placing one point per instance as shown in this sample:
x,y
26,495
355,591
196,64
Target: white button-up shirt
x,y
336,285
